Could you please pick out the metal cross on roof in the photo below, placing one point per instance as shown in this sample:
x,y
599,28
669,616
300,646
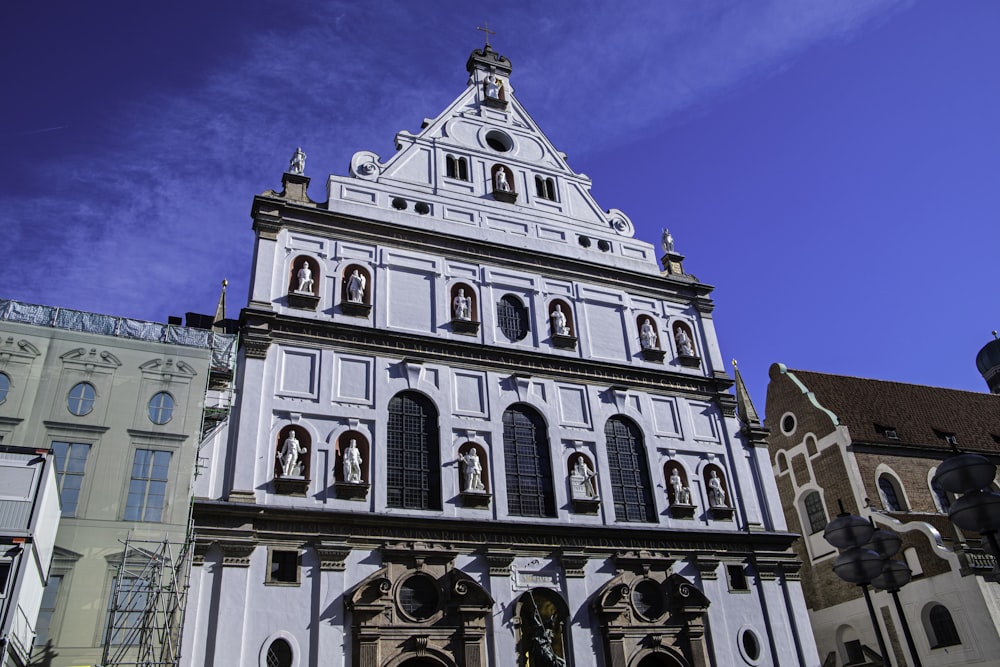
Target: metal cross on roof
x,y
487,30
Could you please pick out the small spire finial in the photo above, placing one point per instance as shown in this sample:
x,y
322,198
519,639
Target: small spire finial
x,y
994,333
736,365
486,29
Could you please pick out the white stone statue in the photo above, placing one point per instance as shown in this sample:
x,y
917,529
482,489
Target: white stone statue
x,y
493,84
559,326
716,495
352,463
298,162
291,449
501,181
682,494
684,346
462,306
356,287
472,471
305,276
668,240
647,335
585,477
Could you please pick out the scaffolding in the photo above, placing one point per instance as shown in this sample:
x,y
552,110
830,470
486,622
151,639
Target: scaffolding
x,y
147,605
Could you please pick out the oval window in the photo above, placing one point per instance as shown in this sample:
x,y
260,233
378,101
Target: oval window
x,y
161,408
81,399
4,387
418,597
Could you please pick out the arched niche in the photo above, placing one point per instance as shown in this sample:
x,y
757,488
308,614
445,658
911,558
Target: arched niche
x,y
542,627
720,500
356,290
502,183
495,89
292,460
687,351
304,275
584,491
648,617
346,462
679,493
463,303
562,326
649,338
474,475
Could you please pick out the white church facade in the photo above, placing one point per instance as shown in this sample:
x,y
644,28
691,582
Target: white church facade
x,y
478,424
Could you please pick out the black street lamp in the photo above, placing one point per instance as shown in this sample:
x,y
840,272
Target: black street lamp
x,y
857,563
894,575
978,508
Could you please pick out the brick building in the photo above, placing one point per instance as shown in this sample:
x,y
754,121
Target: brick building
x,y
875,446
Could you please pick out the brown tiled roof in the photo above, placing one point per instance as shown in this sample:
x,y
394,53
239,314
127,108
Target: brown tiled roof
x,y
920,415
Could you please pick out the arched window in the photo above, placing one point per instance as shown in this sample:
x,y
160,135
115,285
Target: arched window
x,y
781,460
630,487
413,453
940,627
892,496
457,167
815,513
940,497
527,465
279,654
512,318
81,399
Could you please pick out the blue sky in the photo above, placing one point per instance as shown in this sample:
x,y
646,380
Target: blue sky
x,y
831,167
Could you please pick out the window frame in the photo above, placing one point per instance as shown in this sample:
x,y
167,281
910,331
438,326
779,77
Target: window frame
x,y
511,312
413,453
5,386
62,471
161,408
146,482
631,485
83,400
527,463
896,490
938,635
812,513
270,579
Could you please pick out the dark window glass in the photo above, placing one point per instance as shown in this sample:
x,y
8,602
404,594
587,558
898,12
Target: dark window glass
x,y
630,487
47,609
539,186
816,515
412,452
942,496
942,627
284,566
463,169
647,598
750,645
71,462
279,654
855,653
737,578
888,489
4,387
81,399
418,596
512,317
528,469
451,167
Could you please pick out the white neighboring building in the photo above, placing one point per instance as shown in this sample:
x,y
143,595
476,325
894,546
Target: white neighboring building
x,y
29,517
477,424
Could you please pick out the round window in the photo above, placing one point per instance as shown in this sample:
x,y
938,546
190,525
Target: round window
x,y
499,141
647,598
81,399
161,408
750,646
788,423
4,387
418,597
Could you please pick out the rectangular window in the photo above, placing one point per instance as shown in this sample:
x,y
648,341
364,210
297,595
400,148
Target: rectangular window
x,y
4,576
283,566
71,461
855,654
127,607
148,489
46,609
737,578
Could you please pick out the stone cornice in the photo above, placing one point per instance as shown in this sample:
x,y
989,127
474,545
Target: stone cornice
x,y
462,354
268,211
221,522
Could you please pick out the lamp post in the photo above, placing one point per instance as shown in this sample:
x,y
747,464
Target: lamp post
x,y
857,564
894,575
978,508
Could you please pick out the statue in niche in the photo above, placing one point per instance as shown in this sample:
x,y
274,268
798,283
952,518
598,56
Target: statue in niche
x,y
472,471
559,326
584,478
716,495
356,287
647,335
289,455
493,85
683,342
541,649
298,162
352,463
501,184
462,306
682,494
668,240
305,277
